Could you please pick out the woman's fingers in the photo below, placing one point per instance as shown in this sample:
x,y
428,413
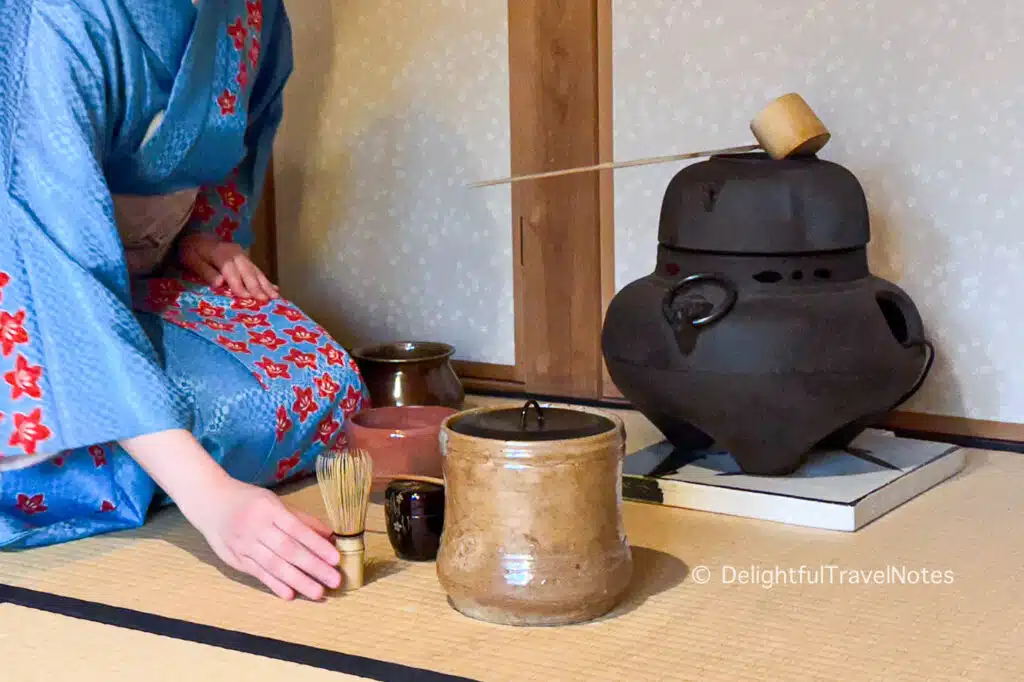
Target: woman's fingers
x,y
253,568
206,271
250,275
257,283
284,571
310,535
289,549
270,289
318,526
234,279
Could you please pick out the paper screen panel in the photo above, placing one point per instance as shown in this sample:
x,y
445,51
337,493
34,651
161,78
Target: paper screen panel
x,y
393,108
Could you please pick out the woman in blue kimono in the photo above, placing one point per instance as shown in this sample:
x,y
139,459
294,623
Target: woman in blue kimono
x,y
143,355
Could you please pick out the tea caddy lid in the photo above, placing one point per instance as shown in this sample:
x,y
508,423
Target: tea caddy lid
x,y
415,498
531,422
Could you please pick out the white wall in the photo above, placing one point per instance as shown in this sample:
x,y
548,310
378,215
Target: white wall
x,y
925,99
393,108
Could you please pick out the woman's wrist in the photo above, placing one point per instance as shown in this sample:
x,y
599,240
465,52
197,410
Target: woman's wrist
x,y
179,464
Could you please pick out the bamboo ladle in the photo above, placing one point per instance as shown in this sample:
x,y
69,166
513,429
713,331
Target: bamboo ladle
x,y
786,127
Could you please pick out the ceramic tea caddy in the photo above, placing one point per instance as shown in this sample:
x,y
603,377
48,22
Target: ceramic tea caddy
x,y
414,514
533,529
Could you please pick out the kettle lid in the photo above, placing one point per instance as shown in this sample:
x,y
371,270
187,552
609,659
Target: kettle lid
x,y
752,204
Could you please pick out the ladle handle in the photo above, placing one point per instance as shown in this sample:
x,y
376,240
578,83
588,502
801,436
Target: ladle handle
x,y
609,165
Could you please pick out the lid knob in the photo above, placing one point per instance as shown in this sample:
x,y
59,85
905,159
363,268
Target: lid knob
x,y
526,411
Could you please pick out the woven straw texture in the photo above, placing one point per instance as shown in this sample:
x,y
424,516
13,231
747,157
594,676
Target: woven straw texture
x,y
51,648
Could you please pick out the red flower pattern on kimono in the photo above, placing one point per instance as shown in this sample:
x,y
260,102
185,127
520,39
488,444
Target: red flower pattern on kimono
x,y
332,353
163,302
32,504
273,369
285,351
227,101
206,309
352,401
328,427
254,8
267,338
304,405
12,331
99,456
165,293
227,228
5,279
289,313
218,325
24,379
252,321
284,424
238,33
107,506
300,359
243,75
302,335
254,53
328,386
231,197
166,287
29,431
246,304
234,346
285,466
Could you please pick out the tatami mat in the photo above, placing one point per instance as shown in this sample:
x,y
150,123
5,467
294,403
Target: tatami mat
x,y
36,646
689,615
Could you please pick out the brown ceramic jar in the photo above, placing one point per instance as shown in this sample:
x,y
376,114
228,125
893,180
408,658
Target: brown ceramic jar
x,y
410,373
533,515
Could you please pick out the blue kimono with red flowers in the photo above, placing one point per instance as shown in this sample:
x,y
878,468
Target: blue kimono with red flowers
x,y
90,355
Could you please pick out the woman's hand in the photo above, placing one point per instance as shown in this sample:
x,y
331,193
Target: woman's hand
x,y
219,262
249,528
252,531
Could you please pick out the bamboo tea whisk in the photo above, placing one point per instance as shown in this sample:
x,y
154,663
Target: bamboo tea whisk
x,y
345,477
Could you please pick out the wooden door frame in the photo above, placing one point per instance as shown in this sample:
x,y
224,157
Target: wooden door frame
x,y
561,115
556,100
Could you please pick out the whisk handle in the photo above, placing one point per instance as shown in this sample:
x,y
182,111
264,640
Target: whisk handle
x,y
352,549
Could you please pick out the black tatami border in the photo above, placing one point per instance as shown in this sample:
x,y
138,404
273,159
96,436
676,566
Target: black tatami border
x,y
265,647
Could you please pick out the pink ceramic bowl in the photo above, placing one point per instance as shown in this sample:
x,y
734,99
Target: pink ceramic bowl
x,y
400,440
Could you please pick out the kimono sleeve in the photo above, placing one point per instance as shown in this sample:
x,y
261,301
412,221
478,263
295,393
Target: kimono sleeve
x,y
227,208
76,367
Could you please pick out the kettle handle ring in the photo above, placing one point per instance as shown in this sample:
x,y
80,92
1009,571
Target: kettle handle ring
x,y
716,314
929,348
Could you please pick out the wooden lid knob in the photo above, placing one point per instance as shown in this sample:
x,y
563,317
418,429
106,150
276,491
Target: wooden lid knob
x,y
789,127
